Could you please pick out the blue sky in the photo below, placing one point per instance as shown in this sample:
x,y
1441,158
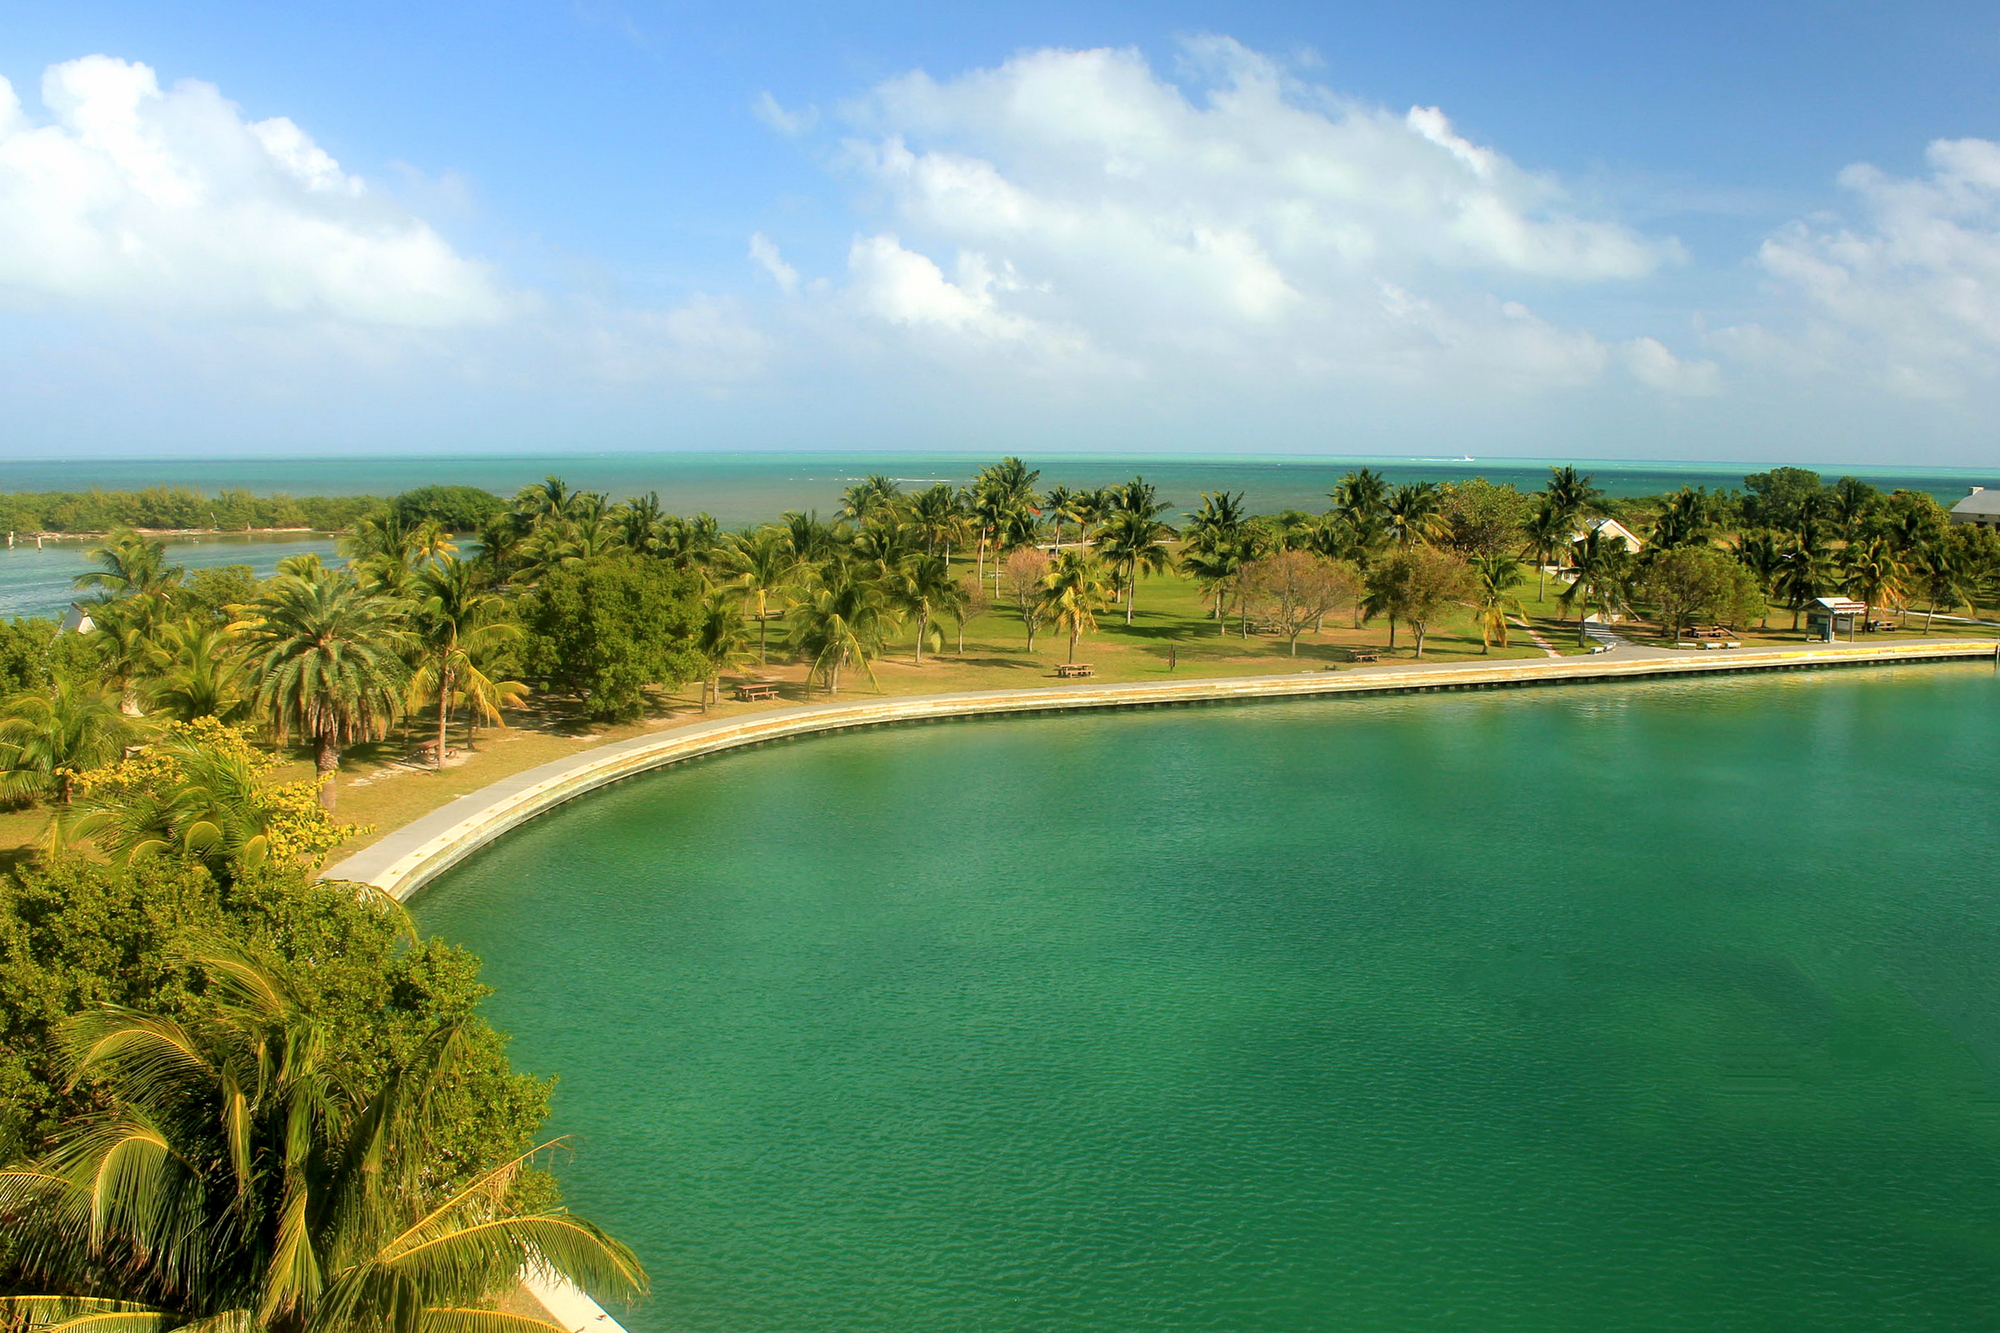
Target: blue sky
x,y
1764,232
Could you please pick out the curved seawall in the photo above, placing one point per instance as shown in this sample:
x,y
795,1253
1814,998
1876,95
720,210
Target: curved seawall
x,y
405,860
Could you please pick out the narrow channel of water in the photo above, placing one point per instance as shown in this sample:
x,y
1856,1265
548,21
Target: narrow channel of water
x,y
1661,1006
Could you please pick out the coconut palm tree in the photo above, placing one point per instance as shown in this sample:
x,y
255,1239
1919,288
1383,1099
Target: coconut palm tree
x,y
1946,578
454,620
199,672
1494,578
1360,496
239,1178
1760,553
721,637
763,566
1072,591
1134,543
1805,572
1415,513
639,520
938,517
1603,569
327,664
1874,575
923,587
1061,505
49,737
843,618
1572,495
131,566
1549,533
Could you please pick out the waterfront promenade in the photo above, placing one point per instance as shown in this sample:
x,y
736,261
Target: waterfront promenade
x,y
404,860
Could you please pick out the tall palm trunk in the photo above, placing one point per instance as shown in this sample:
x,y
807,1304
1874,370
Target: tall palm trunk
x,y
1131,590
326,762
923,623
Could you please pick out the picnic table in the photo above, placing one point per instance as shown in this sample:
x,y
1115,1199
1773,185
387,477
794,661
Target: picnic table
x,y
1363,655
1072,670
753,691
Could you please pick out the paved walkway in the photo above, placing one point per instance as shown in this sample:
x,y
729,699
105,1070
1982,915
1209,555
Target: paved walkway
x,y
404,860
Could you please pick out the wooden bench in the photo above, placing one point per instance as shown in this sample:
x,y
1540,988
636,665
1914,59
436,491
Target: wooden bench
x,y
1072,670
756,691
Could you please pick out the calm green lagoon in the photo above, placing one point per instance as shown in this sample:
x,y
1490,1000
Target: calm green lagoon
x,y
1668,1006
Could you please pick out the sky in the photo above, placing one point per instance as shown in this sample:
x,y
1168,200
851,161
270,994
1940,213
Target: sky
x,y
1706,231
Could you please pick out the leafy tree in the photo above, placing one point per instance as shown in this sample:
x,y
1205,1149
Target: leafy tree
x,y
1482,519
608,627
1072,591
1134,543
1851,502
210,595
1415,585
241,1176
1021,576
1761,553
968,606
25,649
1687,520
1693,583
1296,590
49,738
327,664
1784,498
455,508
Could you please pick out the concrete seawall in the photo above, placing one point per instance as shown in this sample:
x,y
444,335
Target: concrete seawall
x,y
405,860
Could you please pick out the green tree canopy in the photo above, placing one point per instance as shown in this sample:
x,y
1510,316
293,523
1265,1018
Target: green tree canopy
x,y
606,628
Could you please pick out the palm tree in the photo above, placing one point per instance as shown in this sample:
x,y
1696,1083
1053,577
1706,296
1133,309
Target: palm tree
x,y
47,739
809,540
1494,578
1133,543
1603,568
1549,533
1062,505
1804,572
239,1178
924,587
938,517
1571,494
127,634
1686,520
1947,579
131,566
842,619
213,810
1760,553
1360,496
764,565
1415,513
1874,575
454,620
199,672
1072,592
721,638
327,665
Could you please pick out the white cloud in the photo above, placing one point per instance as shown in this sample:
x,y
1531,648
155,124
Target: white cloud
x,y
1254,222
1654,366
766,255
1909,296
788,123
171,202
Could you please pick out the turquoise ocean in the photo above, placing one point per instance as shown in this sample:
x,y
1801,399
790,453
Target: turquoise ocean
x,y
741,488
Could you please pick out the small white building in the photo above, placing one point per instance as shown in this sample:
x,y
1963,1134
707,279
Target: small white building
x,y
1981,508
1827,618
78,620
1611,528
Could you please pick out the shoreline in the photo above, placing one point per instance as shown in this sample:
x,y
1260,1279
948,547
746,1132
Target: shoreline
x,y
172,533
403,861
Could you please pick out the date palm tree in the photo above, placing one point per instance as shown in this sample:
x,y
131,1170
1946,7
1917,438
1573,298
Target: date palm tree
x,y
1072,591
1134,543
454,619
49,737
237,1178
328,665
199,672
